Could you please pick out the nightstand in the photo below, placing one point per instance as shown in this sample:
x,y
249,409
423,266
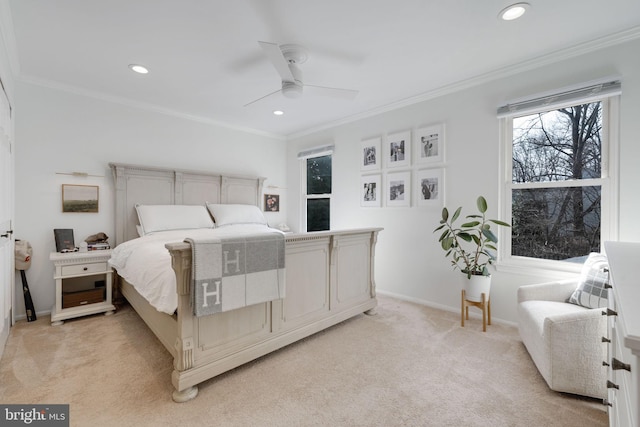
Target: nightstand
x,y
84,282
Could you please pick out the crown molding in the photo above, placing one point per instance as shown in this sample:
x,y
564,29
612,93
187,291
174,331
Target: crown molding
x,y
530,64
7,33
8,37
49,84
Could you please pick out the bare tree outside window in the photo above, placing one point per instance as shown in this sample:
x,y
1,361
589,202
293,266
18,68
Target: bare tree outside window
x,y
319,172
556,208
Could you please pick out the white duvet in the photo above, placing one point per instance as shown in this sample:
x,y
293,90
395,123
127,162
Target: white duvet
x,y
146,264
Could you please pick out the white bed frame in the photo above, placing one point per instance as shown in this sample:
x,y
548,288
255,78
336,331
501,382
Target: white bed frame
x,y
329,278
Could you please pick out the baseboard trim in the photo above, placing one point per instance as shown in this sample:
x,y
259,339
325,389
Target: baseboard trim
x,y
38,314
442,307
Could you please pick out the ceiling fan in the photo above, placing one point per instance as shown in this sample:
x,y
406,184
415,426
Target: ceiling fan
x,y
286,59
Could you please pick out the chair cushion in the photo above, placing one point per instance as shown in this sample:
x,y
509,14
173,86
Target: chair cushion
x,y
591,291
533,313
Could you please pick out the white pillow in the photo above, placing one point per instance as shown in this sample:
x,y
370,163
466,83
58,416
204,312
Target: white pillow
x,y
172,217
236,214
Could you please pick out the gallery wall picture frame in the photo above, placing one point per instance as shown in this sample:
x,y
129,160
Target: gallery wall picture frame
x,y
398,189
272,203
371,156
80,198
371,191
397,150
430,144
429,187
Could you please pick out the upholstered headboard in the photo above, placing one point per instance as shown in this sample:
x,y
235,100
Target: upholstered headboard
x,y
163,186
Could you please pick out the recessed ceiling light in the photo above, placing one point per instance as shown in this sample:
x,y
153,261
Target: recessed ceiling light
x,y
138,68
514,11
278,112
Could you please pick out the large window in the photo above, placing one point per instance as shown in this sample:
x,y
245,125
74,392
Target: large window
x,y
559,193
317,198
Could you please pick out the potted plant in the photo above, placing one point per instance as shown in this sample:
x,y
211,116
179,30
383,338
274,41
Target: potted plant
x,y
470,247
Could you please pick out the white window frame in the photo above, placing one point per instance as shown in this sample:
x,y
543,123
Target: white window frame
x,y
608,182
303,157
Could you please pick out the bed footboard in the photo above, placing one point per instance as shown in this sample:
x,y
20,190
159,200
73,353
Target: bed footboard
x,y
329,278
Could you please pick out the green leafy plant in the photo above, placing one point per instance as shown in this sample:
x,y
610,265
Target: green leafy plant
x,y
470,244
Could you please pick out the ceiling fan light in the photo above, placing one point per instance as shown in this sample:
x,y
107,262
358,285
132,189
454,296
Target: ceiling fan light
x,y
514,11
291,90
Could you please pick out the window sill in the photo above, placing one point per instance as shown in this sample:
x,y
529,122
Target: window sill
x,y
538,267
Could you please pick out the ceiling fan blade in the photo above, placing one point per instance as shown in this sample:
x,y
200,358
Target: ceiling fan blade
x,y
333,92
277,59
263,97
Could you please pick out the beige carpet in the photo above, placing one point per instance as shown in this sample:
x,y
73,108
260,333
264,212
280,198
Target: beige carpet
x,y
408,366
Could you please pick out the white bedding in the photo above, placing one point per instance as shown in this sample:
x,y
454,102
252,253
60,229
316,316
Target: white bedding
x,y
146,264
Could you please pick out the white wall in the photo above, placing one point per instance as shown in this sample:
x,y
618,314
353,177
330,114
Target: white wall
x,y
58,132
409,260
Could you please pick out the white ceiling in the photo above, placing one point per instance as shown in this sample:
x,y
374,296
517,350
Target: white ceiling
x,y
205,61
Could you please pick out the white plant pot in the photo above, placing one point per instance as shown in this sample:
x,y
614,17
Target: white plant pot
x,y
476,286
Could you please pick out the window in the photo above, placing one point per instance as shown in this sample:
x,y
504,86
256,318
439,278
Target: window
x,y
558,192
318,193
316,172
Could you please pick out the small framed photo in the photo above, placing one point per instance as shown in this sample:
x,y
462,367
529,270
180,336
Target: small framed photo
x,y
371,191
398,188
398,149
80,198
272,203
64,240
371,155
430,187
429,142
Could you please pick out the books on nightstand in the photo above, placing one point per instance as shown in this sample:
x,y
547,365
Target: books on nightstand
x,y
99,246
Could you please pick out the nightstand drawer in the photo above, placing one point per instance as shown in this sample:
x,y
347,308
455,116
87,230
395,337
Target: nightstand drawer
x,y
96,267
90,296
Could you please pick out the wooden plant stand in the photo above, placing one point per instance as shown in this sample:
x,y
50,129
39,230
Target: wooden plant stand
x,y
484,305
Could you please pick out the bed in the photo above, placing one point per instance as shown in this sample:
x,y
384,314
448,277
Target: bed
x,y
329,277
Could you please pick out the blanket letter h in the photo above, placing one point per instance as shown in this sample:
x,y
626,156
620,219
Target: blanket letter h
x,y
230,273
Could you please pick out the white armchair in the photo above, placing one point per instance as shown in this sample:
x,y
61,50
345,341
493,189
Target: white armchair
x,y
564,340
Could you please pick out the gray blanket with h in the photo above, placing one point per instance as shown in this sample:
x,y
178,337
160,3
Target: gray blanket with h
x,y
234,272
